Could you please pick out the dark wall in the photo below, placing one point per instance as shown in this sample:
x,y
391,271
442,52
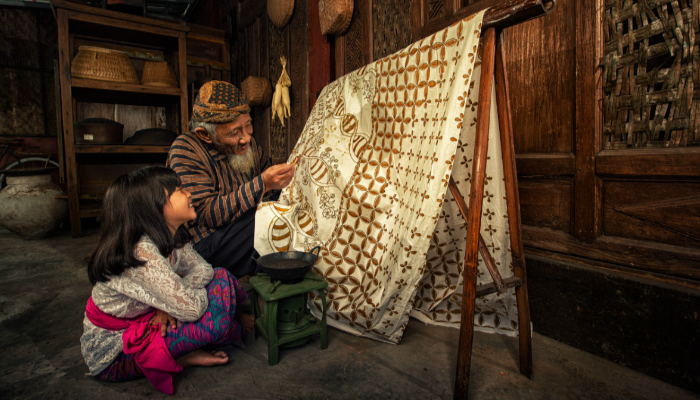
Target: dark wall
x,y
648,326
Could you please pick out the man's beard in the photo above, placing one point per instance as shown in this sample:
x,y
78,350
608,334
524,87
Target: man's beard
x,y
244,163
241,163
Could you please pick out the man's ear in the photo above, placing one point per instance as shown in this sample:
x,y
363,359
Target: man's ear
x,y
203,135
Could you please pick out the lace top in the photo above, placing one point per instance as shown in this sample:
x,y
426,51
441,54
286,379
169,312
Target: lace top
x,y
139,290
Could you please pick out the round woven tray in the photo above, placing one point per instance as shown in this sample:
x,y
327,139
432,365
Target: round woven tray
x,y
335,16
103,65
280,11
257,90
158,73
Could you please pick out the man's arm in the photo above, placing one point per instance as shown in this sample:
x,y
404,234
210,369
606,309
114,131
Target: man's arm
x,y
213,209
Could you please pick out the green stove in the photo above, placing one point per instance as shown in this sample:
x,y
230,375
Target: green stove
x,y
287,321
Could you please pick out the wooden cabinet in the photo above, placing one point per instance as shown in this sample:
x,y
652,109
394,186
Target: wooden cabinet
x,y
91,167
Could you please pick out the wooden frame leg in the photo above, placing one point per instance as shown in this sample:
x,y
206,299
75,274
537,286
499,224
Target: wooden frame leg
x,y
516,241
476,196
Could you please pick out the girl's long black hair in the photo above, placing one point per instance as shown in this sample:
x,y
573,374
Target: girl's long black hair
x,y
133,206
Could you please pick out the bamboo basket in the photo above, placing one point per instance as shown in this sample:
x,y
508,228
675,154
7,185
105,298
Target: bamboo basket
x,y
257,90
158,73
103,65
335,16
280,11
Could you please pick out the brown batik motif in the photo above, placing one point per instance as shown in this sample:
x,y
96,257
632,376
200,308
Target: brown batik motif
x,y
439,296
376,155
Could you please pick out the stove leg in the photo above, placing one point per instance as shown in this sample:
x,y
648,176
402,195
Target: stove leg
x,y
256,313
272,339
324,328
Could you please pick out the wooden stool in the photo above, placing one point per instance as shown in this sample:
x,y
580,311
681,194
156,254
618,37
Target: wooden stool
x,y
287,321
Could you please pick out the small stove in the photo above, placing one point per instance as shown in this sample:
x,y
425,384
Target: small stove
x,y
287,322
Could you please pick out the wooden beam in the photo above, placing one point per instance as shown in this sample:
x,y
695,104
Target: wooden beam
x,y
546,164
587,187
501,14
489,288
180,26
682,162
483,250
505,124
476,197
643,255
64,59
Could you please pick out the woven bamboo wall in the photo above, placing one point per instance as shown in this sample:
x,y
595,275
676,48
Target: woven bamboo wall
x,y
650,72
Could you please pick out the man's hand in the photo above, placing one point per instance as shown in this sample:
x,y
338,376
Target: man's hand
x,y
163,318
278,176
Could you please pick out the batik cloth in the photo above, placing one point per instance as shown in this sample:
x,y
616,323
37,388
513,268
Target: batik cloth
x,y
219,102
439,297
217,326
376,156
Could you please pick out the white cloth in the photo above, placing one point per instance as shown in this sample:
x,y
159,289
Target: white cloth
x,y
139,290
376,155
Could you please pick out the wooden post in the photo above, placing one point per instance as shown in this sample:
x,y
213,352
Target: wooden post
x,y
181,56
71,170
513,203
466,332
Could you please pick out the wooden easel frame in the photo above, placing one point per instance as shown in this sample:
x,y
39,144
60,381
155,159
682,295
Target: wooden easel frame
x,y
493,67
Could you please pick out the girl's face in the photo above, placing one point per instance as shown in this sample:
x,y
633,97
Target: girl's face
x,y
179,209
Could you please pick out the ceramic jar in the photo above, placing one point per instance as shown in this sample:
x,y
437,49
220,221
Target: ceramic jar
x,y
28,207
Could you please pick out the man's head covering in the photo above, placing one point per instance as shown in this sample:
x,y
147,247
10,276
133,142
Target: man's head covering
x,y
219,102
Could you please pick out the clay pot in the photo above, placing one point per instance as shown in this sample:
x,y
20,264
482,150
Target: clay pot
x,y
28,207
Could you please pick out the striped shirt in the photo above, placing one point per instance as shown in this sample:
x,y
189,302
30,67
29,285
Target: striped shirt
x,y
219,194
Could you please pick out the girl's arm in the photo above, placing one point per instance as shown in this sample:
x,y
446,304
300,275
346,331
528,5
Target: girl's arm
x,y
196,273
157,285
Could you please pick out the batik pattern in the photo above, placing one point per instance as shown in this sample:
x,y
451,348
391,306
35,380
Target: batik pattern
x,y
376,156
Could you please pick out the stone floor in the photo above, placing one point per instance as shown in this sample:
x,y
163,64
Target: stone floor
x,y
44,286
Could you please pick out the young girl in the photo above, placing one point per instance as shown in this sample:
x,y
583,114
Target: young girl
x,y
146,275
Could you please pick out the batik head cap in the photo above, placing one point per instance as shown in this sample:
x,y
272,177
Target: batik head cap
x,y
219,102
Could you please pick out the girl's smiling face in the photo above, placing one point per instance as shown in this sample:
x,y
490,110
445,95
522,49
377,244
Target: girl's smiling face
x,y
179,209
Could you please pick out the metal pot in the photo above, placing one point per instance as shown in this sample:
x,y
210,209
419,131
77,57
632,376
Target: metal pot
x,y
289,266
152,136
98,131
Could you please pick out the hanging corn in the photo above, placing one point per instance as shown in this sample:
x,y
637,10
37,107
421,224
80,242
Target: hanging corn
x,y
280,100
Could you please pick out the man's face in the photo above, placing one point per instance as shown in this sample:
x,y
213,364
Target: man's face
x,y
234,137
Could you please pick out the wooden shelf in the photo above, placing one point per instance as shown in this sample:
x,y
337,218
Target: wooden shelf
x,y
119,148
124,87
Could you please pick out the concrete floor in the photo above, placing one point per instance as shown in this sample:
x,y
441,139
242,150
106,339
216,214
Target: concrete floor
x,y
44,286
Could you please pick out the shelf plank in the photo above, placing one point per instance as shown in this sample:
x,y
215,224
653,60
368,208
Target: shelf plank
x,y
124,87
119,148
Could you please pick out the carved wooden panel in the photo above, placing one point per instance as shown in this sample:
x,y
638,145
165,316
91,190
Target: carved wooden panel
x,y
666,212
435,9
391,26
545,203
298,68
278,46
649,74
354,37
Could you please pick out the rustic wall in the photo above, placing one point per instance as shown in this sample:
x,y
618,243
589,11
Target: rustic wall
x,y
28,47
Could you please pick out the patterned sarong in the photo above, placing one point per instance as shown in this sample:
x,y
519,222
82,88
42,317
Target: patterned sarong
x,y
216,326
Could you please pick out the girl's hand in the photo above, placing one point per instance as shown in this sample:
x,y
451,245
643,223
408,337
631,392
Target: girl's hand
x,y
163,318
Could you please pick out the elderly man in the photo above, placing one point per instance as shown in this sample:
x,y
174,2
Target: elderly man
x,y
227,174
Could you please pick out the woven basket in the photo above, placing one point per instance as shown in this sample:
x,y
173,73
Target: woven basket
x,y
280,11
335,16
258,91
103,65
158,73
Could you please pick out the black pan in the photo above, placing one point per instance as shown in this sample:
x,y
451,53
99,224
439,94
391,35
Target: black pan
x,y
289,266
